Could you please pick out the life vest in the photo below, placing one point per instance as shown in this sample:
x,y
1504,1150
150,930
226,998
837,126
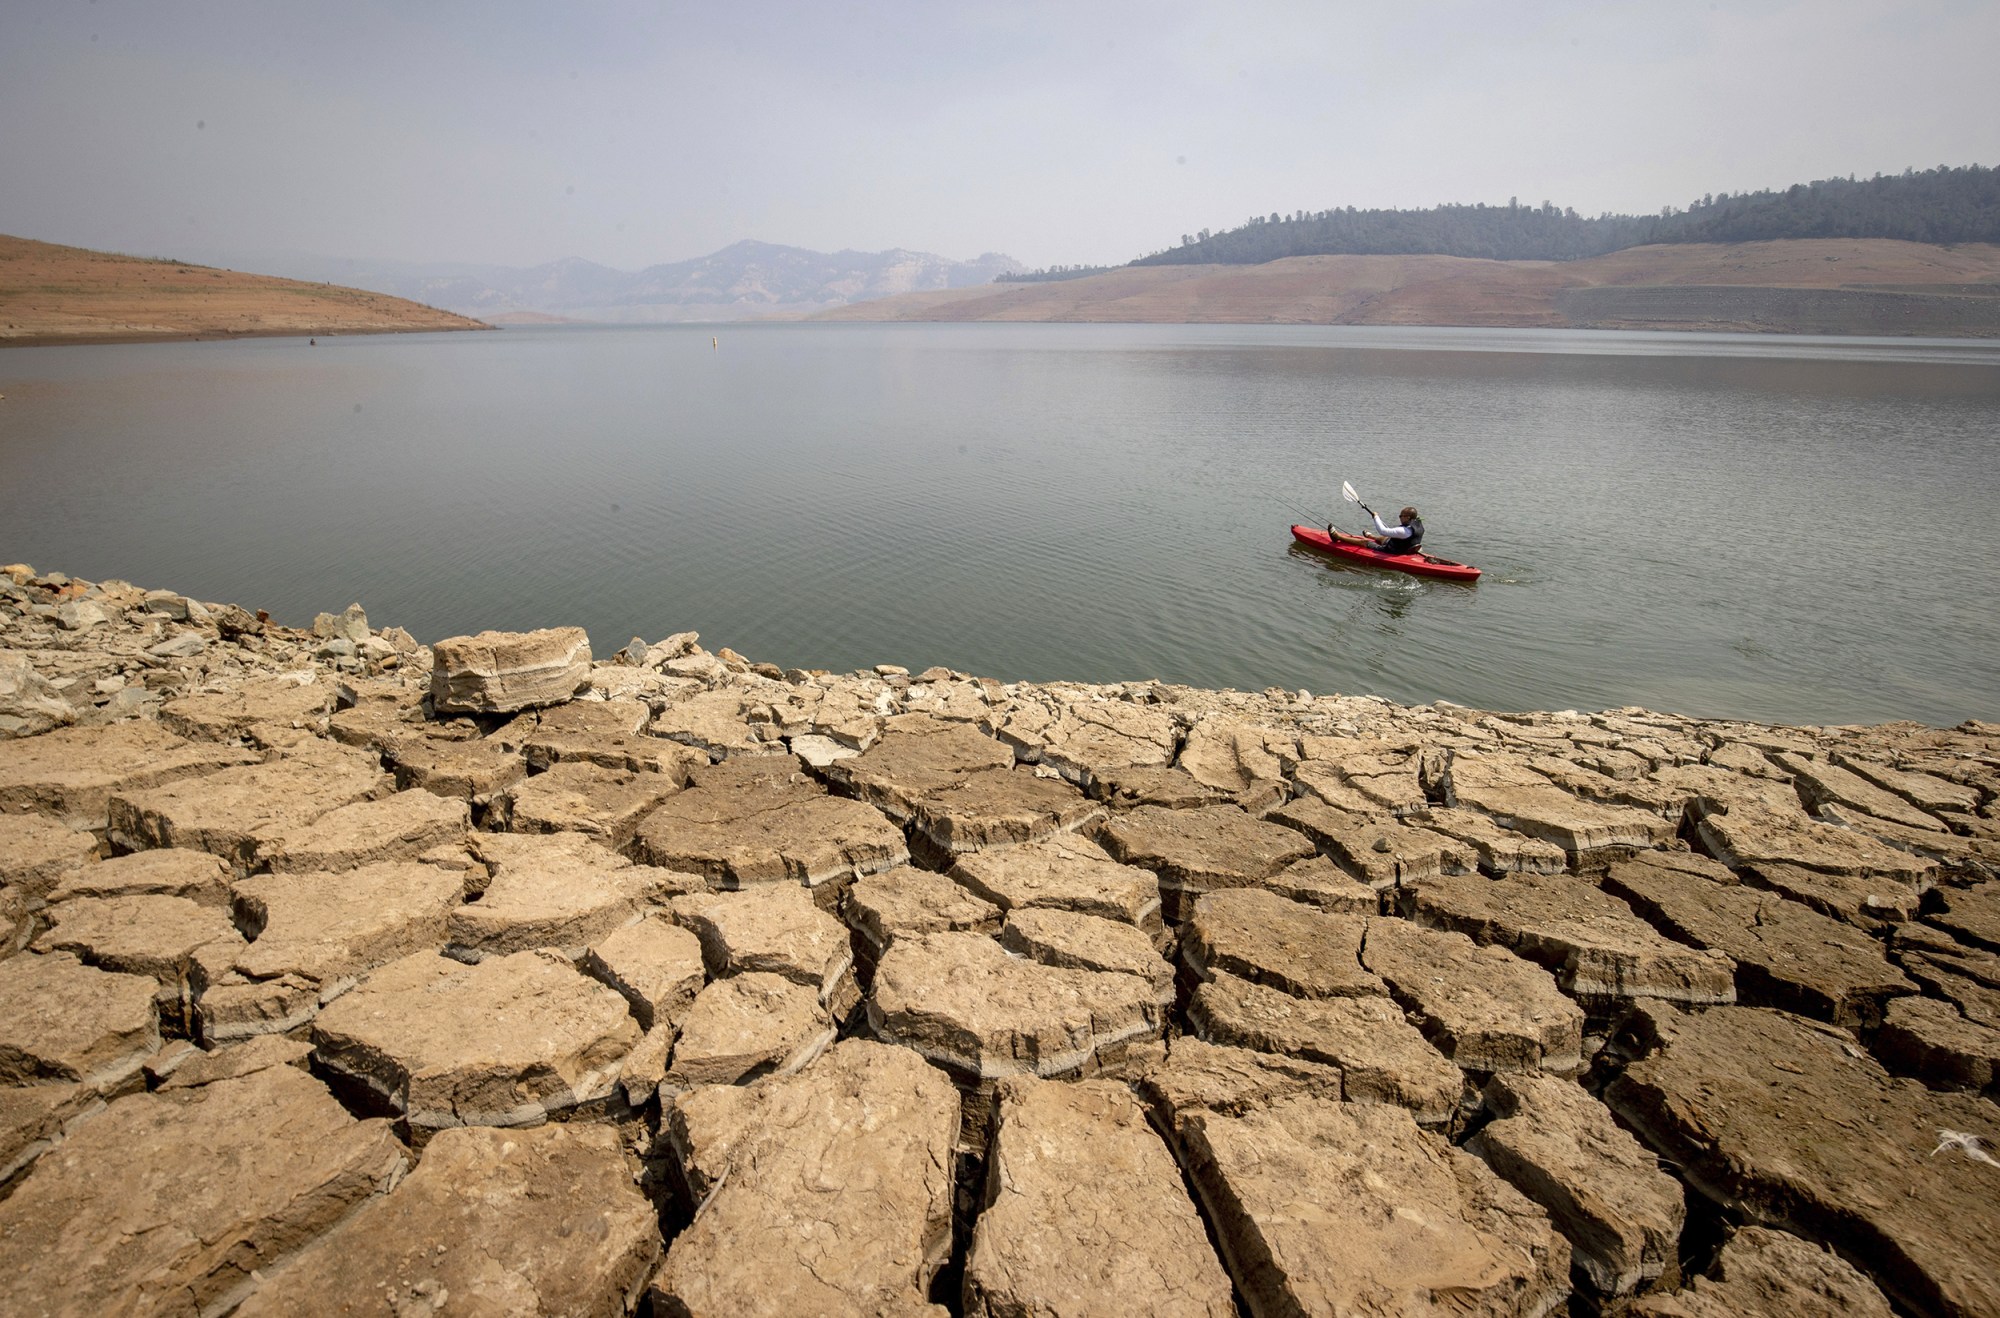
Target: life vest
x,y
1409,544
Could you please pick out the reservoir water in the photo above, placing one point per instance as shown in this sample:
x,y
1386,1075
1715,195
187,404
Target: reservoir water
x,y
1783,529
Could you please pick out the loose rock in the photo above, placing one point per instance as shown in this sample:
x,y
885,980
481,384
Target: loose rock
x,y
500,672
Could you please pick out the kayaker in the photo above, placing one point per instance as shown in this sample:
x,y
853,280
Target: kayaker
x,y
1404,538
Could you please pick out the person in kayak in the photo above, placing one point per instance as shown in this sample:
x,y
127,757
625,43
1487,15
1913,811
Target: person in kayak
x,y
1404,538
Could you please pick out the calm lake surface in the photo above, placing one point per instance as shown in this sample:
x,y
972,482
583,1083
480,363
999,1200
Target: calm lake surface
x,y
1795,530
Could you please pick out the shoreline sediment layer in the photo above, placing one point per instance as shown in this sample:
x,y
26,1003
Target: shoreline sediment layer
x,y
677,979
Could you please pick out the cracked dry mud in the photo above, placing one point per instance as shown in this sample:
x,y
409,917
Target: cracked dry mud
x,y
348,974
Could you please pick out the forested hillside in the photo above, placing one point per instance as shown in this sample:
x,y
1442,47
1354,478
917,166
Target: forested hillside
x,y
1942,205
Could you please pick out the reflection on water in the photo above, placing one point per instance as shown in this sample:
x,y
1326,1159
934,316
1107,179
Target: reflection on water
x,y
1717,524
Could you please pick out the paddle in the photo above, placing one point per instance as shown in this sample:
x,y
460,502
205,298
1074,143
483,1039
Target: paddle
x,y
1347,493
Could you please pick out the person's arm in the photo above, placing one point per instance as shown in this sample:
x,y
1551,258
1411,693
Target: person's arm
x,y
1393,532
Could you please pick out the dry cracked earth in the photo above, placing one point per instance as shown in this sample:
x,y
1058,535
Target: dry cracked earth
x,y
347,975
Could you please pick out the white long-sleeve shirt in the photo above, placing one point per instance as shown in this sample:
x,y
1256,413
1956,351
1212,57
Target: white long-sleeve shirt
x,y
1393,532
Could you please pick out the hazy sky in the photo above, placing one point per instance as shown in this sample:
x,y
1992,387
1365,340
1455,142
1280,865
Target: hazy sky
x,y
632,134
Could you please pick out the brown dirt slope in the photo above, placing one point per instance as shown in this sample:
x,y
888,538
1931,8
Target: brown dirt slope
x,y
1824,286
53,294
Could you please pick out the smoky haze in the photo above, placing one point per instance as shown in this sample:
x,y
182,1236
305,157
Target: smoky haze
x,y
633,134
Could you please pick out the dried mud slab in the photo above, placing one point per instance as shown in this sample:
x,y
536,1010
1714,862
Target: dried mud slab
x,y
746,1027
1085,1213
508,1042
235,1061
36,1118
1939,796
452,765
1381,1057
1786,955
1087,942
1230,1080
72,774
271,702
1745,836
577,796
158,937
1236,758
402,826
963,1002
1773,1274
1500,851
999,807
1759,1109
135,1212
1483,1007
90,1026
1559,1146
717,724
895,903
1350,1208
762,820
560,896
1517,798
828,1191
1064,873
1198,851
1087,739
1270,940
1380,852
315,935
1934,1042
776,929
35,852
556,1227
234,813
165,872
1820,782
917,756
1972,915
1871,903
655,964
1599,951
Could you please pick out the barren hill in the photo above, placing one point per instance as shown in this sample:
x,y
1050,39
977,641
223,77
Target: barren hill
x,y
1804,286
54,294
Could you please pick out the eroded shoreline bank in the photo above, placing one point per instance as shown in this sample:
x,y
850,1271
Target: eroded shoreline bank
x,y
849,992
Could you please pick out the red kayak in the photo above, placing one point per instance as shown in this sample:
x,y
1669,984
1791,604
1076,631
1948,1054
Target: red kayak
x,y
1421,565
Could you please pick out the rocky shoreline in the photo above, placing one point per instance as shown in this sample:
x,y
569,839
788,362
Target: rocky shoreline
x,y
348,974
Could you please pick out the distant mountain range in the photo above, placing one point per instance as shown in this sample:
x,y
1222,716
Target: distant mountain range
x,y
742,281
